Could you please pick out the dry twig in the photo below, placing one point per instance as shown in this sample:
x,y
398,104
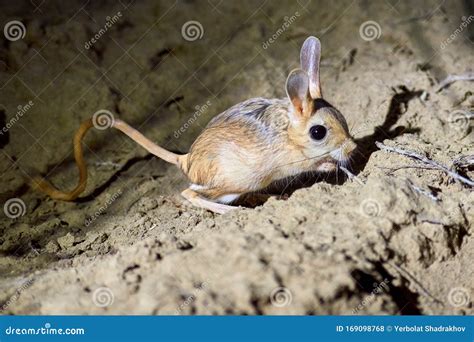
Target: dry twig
x,y
422,191
468,76
405,274
396,168
426,161
463,162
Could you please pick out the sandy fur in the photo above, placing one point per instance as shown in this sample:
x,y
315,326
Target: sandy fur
x,y
252,144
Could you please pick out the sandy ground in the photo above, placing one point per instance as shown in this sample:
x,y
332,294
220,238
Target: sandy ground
x,y
131,245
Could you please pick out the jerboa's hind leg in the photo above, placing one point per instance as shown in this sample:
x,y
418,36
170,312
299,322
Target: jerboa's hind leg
x,y
201,202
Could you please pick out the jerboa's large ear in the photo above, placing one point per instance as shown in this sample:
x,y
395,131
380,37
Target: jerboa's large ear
x,y
310,57
297,89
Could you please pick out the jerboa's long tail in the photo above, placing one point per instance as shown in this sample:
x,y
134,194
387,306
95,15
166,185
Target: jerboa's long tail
x,y
46,187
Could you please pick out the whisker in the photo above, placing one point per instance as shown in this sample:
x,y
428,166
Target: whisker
x,y
361,154
363,128
302,160
289,183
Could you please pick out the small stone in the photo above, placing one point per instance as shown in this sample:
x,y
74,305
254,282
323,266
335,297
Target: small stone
x,y
52,247
66,241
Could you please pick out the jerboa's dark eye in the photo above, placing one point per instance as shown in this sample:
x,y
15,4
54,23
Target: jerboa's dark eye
x,y
318,132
